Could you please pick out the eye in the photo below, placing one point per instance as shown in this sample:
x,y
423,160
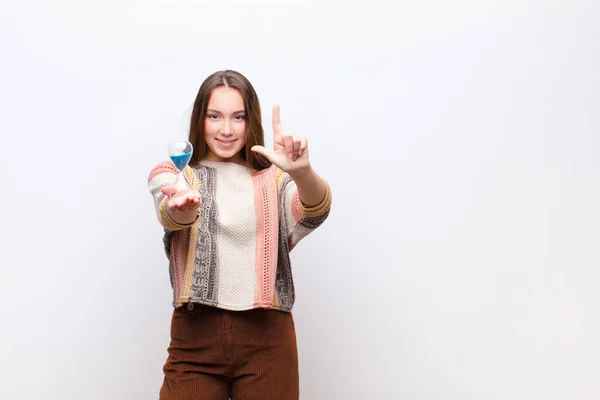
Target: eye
x,y
240,117
212,116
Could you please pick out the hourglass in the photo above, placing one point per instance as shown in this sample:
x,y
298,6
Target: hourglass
x,y
180,152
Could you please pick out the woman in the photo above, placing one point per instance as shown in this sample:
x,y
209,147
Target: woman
x,y
228,244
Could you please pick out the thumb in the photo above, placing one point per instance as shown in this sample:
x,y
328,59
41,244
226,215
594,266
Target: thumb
x,y
263,151
168,190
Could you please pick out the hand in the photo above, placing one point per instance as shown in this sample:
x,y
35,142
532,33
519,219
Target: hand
x,y
290,153
182,206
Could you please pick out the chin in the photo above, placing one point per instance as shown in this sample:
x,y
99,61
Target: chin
x,y
232,155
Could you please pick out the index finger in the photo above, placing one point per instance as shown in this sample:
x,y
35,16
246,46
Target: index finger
x,y
276,120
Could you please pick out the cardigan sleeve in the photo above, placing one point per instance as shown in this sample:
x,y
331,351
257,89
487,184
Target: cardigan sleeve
x,y
163,174
298,219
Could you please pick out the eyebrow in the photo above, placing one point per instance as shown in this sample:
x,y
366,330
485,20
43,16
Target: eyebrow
x,y
219,112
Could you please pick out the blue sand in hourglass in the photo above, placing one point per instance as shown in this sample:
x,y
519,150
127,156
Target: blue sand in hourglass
x,y
181,160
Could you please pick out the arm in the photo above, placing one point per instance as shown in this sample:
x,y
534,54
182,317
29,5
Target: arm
x,y
305,197
312,189
171,216
301,216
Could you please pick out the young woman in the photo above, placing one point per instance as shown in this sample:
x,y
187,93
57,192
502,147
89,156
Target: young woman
x,y
228,244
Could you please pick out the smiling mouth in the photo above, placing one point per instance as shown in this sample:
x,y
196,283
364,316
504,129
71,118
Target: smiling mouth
x,y
226,143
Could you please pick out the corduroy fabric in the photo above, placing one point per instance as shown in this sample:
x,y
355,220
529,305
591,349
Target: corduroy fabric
x,y
217,354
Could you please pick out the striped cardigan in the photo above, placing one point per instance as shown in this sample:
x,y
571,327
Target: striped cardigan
x,y
235,255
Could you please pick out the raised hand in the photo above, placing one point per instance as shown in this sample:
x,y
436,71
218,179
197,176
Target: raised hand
x,y
290,153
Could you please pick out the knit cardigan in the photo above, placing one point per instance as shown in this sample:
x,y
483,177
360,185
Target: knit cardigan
x,y
235,254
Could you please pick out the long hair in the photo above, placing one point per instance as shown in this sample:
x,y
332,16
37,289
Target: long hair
x,y
254,131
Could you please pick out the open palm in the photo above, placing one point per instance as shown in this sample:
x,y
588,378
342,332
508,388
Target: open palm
x,y
289,152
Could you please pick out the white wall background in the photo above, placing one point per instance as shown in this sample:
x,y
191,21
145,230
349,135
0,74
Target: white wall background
x,y
462,257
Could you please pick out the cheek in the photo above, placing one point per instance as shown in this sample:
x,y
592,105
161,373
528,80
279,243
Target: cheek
x,y
208,128
211,131
240,130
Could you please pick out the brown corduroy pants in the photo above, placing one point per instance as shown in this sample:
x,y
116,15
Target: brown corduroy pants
x,y
217,354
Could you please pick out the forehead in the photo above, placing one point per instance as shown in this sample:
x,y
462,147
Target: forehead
x,y
225,99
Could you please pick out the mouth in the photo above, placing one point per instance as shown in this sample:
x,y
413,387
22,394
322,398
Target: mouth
x,y
225,142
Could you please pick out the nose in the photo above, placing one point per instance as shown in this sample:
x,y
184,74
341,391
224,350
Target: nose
x,y
227,130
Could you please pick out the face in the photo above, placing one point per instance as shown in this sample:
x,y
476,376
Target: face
x,y
225,125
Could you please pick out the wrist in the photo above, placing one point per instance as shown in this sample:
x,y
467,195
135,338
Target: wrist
x,y
312,189
302,173
182,218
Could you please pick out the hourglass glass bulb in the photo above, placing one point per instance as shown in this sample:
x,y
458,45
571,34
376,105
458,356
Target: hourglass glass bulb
x,y
180,153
